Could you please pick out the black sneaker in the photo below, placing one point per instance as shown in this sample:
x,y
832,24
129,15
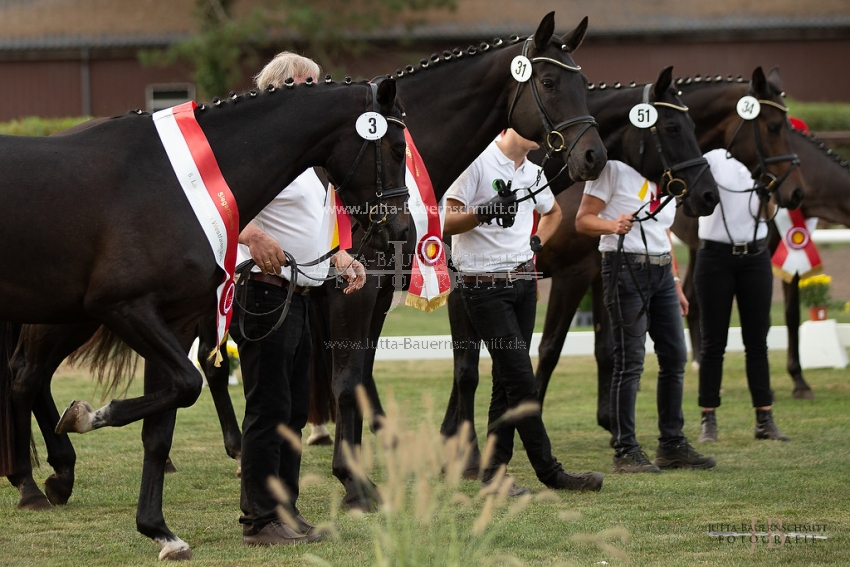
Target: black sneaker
x,y
681,456
635,461
576,481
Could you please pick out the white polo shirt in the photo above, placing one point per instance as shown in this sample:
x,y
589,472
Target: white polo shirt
x,y
491,248
624,191
739,209
297,219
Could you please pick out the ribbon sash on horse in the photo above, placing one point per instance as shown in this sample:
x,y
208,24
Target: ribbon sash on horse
x,y
209,195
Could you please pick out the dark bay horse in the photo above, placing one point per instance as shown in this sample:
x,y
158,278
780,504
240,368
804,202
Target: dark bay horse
x,y
763,145
827,197
456,103
492,101
103,214
626,143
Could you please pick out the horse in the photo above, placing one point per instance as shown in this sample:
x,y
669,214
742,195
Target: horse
x,y
677,144
111,233
550,108
827,176
764,147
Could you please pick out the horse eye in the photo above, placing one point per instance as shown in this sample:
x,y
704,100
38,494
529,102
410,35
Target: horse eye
x,y
671,128
548,83
774,128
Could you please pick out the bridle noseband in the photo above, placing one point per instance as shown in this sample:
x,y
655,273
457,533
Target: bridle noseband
x,y
378,211
554,130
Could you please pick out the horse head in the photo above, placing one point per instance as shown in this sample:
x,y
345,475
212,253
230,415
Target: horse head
x,y
661,144
549,101
369,172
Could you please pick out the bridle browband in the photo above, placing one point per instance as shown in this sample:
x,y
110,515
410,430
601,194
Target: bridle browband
x,y
554,130
766,182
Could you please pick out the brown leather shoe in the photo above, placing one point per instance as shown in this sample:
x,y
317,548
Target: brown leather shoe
x,y
277,533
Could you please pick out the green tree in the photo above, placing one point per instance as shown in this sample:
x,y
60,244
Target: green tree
x,y
227,42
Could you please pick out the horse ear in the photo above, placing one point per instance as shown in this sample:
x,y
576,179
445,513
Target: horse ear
x,y
386,94
544,31
774,79
759,82
665,77
574,38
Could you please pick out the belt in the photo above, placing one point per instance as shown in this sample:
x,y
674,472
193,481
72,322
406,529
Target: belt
x,y
278,281
739,249
655,259
522,272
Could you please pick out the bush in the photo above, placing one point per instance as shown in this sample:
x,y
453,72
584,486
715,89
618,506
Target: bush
x,y
35,126
821,116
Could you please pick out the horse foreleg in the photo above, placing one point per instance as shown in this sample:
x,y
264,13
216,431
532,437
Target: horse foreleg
x,y
349,336
689,289
217,380
802,391
466,350
60,452
603,350
564,298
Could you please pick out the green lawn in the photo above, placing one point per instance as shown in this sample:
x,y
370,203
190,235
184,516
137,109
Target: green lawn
x,y
666,517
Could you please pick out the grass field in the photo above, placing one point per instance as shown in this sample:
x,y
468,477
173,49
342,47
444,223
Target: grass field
x,y
667,517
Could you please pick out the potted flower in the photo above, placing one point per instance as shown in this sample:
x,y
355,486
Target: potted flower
x,y
814,294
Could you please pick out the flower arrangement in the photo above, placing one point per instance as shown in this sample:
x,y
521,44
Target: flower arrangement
x,y
814,291
232,356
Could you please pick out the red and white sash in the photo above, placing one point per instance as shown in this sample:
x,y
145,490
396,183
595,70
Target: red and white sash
x,y
208,194
430,281
796,253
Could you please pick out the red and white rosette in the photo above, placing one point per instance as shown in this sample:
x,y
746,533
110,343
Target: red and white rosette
x,y
430,281
796,252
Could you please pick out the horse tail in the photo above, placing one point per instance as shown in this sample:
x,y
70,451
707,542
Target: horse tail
x,y
109,360
322,401
9,335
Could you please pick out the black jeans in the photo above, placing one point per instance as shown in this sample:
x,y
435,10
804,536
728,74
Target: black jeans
x,y
503,315
662,319
719,277
276,379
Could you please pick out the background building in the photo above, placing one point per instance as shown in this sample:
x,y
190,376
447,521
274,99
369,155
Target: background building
x,y
79,57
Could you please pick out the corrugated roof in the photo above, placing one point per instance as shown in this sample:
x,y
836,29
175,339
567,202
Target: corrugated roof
x,y
74,24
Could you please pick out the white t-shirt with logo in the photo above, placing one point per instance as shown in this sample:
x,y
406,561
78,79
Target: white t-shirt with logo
x,y
491,248
297,219
739,209
624,191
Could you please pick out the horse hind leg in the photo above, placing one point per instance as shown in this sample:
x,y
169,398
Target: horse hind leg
x,y
802,391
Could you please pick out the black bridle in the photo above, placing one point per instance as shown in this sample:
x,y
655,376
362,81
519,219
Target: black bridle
x,y
765,182
377,209
671,185
554,130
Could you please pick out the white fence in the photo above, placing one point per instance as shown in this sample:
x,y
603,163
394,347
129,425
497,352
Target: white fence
x,y
434,347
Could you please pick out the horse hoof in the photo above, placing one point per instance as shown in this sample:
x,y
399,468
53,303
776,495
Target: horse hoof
x,y
77,418
35,502
58,489
169,466
175,550
804,394
315,439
